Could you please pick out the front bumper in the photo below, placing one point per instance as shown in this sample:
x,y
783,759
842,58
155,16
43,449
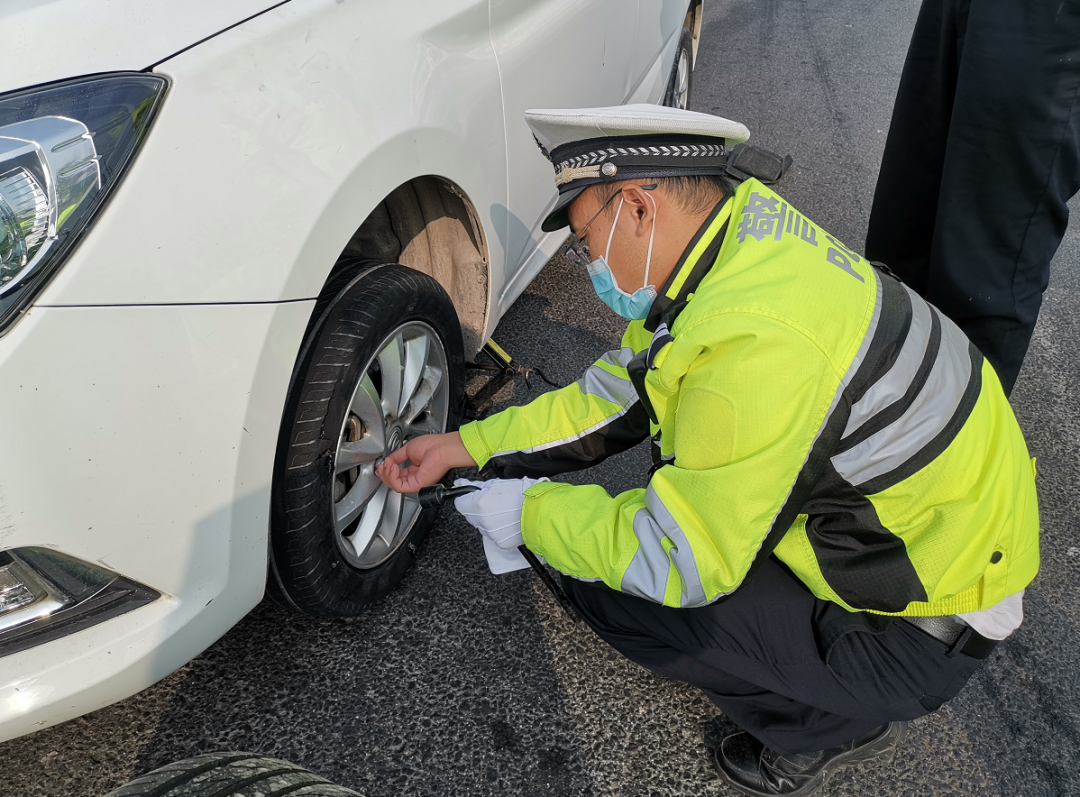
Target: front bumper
x,y
141,440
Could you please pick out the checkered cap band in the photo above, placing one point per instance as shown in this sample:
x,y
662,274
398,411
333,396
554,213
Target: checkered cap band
x,y
608,160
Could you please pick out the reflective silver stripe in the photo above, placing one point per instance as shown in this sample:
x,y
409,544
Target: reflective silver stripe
x,y
599,382
893,385
620,358
564,440
849,375
647,575
927,416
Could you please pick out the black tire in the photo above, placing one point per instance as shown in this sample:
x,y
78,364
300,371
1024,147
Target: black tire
x,y
684,54
312,569
231,775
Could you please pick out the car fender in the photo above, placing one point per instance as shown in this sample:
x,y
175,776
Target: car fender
x,y
276,140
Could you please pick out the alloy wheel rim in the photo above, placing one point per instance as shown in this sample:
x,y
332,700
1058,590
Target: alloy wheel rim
x,y
403,392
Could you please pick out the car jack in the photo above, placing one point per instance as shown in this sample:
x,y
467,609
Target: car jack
x,y
503,370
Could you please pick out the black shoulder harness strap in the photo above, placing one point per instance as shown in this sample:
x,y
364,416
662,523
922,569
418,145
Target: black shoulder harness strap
x,y
664,310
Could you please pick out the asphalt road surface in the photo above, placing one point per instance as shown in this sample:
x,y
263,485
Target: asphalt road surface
x,y
462,683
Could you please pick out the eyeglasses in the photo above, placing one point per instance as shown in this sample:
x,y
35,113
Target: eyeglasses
x,y
577,253
575,249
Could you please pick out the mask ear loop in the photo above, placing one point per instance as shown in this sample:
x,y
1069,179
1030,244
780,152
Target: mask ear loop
x,y
648,259
611,235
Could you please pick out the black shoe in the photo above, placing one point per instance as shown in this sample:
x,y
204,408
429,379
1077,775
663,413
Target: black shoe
x,y
754,769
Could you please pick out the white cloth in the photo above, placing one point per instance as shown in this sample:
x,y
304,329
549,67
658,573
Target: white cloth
x,y
1000,620
500,560
495,510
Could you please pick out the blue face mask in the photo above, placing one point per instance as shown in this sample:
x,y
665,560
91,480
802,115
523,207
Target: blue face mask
x,y
631,306
635,306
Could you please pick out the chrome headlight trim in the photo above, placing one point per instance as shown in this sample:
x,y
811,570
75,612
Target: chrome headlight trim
x,y
64,150
50,595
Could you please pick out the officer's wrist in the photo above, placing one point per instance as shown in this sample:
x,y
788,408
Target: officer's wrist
x,y
472,437
457,454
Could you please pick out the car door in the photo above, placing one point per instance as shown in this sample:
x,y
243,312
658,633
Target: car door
x,y
551,54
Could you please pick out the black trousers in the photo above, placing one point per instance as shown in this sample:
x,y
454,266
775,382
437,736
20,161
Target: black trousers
x,y
798,673
983,153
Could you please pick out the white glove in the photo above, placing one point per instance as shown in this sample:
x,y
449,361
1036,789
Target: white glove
x,y
495,509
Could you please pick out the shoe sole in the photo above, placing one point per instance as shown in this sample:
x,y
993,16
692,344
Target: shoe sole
x,y
886,743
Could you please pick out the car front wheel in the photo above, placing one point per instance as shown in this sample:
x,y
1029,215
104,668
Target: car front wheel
x,y
383,363
681,80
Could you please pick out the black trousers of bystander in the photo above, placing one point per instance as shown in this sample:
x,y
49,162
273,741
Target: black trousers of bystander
x,y
982,155
798,673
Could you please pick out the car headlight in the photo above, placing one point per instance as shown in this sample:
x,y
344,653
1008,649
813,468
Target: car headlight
x,y
45,595
63,149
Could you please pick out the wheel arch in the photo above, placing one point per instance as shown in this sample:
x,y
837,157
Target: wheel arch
x,y
416,198
429,224
693,22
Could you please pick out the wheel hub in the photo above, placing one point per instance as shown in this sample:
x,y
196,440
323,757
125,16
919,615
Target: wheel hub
x,y
403,392
395,439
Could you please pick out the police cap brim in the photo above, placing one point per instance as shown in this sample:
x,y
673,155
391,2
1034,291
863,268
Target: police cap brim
x,y
559,216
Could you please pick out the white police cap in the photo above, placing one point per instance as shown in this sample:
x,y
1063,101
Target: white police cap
x,y
596,145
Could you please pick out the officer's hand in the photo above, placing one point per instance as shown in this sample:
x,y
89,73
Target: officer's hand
x,y
495,509
429,456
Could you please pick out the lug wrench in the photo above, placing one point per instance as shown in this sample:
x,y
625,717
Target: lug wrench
x,y
437,495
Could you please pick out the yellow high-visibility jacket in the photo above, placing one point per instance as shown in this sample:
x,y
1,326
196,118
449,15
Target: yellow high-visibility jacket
x,y
802,404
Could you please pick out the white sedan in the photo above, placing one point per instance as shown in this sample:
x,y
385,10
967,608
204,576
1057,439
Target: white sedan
x,y
246,247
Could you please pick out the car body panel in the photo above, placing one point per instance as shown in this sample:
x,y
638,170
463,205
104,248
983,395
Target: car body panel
x,y
154,462
147,382
543,48
60,39
656,32
286,100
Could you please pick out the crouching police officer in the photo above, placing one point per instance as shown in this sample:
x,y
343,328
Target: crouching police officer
x,y
841,518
